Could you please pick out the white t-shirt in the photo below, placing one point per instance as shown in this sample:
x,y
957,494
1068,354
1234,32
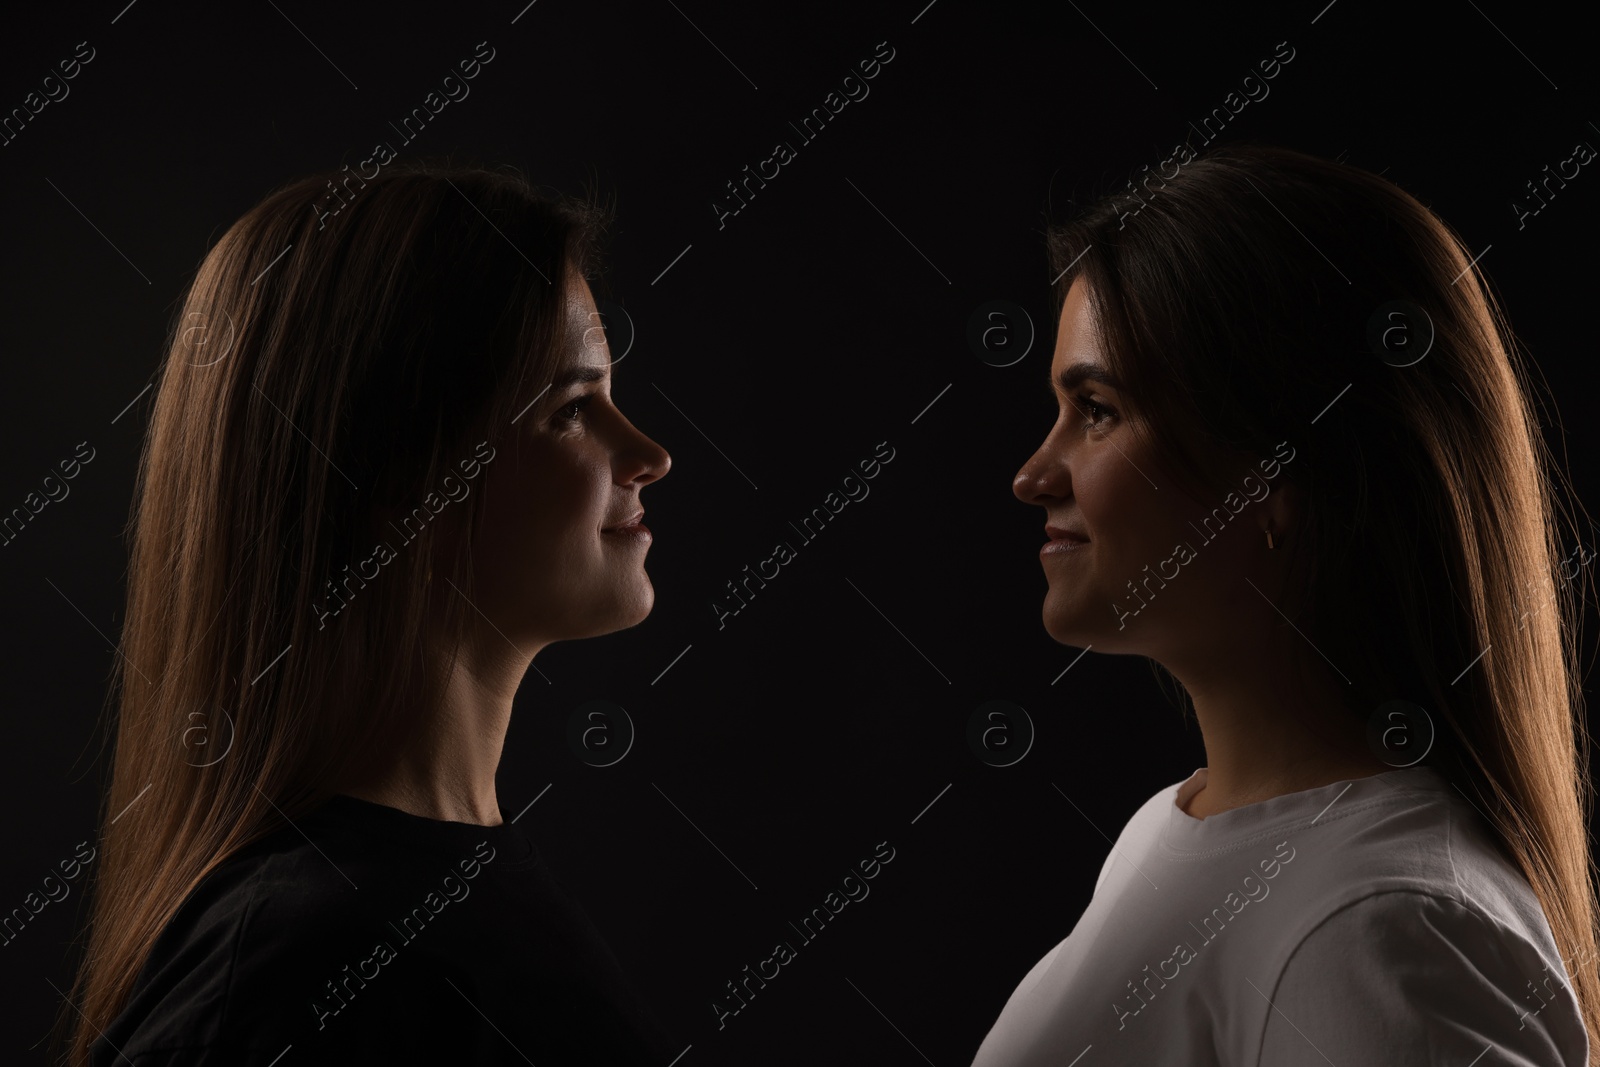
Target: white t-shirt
x,y
1364,923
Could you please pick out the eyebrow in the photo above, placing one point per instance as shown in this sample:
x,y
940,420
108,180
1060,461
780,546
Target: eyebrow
x,y
1075,375
576,375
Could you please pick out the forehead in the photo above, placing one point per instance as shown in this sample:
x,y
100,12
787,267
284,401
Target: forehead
x,y
585,339
1077,339
575,297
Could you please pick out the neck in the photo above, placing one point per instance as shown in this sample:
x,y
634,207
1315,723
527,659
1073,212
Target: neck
x,y
450,773
1267,733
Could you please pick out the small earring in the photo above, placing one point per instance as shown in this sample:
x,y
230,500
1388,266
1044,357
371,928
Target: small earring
x,y
1269,539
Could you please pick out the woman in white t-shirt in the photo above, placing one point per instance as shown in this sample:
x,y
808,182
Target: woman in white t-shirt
x,y
1296,466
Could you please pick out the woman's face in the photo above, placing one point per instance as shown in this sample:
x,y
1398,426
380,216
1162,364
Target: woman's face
x,y
1098,483
548,563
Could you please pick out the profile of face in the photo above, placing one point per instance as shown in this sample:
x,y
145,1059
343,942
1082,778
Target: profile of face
x,y
1114,520
549,562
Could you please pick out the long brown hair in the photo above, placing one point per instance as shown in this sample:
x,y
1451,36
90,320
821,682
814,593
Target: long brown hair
x,y
1259,295
347,354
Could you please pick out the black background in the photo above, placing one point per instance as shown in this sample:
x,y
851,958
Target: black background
x,y
821,320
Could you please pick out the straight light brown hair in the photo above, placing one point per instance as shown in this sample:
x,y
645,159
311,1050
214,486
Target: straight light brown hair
x,y
346,349
1240,299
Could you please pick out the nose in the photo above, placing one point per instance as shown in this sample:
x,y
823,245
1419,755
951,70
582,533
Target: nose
x,y
639,459
1043,478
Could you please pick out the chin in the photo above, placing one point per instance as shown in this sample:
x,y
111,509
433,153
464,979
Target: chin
x,y
642,609
634,608
1065,624
1061,633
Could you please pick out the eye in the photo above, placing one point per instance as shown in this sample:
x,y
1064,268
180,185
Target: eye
x,y
570,412
1097,413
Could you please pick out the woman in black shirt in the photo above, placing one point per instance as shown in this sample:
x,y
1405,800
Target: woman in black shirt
x,y
383,471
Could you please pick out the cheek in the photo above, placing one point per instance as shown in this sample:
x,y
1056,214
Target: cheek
x,y
568,494
1118,504
524,492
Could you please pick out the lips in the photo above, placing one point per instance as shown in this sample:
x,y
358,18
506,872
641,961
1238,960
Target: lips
x,y
1061,533
631,522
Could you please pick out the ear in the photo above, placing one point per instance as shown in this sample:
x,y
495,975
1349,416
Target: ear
x,y
1281,509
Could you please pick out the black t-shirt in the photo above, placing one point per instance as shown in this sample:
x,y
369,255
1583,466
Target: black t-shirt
x,y
364,934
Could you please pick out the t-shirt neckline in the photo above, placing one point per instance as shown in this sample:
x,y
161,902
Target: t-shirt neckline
x,y
1185,832
446,836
